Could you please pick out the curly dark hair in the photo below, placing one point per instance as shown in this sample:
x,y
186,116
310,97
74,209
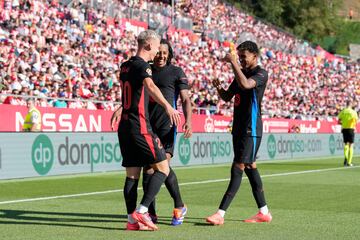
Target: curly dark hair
x,y
171,51
250,46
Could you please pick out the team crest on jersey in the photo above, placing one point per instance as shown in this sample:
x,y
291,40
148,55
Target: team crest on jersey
x,y
237,100
125,69
148,71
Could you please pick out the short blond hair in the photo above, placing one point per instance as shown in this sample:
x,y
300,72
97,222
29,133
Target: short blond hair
x,y
146,36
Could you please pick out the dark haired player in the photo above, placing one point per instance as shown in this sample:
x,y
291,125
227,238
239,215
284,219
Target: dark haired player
x,y
248,88
172,82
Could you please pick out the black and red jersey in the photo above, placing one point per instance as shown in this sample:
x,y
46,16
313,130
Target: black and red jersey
x,y
135,99
170,80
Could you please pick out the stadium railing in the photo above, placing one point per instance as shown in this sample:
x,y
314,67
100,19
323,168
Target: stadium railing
x,y
25,97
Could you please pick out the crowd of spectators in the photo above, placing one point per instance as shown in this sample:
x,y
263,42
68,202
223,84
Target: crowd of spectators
x,y
302,84
49,50
74,53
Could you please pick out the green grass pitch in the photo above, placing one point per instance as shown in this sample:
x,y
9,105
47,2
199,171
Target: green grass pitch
x,y
305,204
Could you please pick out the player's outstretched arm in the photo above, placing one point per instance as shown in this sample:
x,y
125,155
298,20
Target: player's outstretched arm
x,y
156,94
225,95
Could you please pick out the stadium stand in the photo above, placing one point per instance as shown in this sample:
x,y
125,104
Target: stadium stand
x,y
73,51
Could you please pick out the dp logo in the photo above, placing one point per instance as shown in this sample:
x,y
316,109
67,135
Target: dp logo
x,y
271,146
184,150
42,154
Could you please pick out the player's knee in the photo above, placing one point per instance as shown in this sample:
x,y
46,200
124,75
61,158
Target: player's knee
x,y
162,167
241,166
250,165
148,170
165,171
133,176
133,172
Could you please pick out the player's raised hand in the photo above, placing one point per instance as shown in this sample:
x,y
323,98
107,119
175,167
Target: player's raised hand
x,y
216,82
230,58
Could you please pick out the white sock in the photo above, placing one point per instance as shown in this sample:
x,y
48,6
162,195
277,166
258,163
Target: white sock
x,y
264,210
221,212
142,209
131,219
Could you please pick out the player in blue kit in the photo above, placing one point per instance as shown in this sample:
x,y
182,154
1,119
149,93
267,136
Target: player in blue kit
x,y
248,88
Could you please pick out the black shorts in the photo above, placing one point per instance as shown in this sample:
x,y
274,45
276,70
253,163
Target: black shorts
x,y
245,148
348,135
139,150
167,138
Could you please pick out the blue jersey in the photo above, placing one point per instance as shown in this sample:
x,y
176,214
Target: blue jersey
x,y
247,104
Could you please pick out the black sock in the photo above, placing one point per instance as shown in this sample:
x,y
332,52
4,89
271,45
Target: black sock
x,y
172,186
157,179
145,183
130,194
234,185
256,185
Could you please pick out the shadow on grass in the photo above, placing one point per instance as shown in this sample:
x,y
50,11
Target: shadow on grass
x,y
59,225
65,219
80,220
205,224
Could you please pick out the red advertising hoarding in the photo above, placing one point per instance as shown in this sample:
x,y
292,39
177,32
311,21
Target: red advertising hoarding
x,y
82,120
56,119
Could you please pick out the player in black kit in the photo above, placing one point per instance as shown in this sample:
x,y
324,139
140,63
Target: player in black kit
x,y
138,143
172,82
248,88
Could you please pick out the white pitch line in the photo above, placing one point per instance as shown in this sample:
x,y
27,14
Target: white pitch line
x,y
181,184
